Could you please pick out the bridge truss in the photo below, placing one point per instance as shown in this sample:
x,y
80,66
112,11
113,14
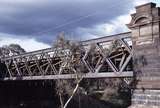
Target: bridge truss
x,y
45,64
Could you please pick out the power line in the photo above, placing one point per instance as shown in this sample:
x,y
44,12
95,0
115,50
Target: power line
x,y
67,23
73,21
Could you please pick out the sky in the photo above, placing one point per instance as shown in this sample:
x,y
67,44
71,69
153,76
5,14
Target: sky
x,y
35,24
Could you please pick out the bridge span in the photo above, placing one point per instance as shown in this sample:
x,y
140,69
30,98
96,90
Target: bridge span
x,y
136,56
45,64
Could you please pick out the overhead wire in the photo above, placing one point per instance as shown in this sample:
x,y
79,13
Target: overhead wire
x,y
72,21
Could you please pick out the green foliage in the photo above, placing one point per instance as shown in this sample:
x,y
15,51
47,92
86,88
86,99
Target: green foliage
x,y
71,63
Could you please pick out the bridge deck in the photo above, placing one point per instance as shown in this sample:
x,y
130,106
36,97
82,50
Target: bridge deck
x,y
128,74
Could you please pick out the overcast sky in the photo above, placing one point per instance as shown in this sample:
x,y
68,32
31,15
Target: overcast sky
x,y
34,24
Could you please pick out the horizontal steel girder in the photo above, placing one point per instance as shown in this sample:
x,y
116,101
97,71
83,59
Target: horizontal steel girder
x,y
73,76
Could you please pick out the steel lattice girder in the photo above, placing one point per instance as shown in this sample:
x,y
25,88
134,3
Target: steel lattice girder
x,y
41,64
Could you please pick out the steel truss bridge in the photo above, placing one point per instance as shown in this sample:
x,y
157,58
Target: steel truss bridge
x,y
43,64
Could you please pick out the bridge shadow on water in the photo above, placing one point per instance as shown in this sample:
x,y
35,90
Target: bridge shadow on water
x,y
41,94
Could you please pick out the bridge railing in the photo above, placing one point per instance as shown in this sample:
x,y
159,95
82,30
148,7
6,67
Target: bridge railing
x,y
45,64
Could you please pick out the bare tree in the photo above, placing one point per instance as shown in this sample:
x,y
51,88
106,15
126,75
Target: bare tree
x,y
70,63
71,54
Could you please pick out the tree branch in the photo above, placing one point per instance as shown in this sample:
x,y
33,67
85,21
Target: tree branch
x,y
74,91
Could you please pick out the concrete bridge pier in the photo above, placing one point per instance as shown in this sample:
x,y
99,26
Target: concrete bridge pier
x,y
145,28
